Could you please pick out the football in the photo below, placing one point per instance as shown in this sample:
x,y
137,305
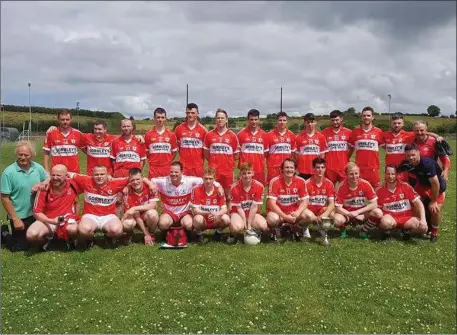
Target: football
x,y
251,237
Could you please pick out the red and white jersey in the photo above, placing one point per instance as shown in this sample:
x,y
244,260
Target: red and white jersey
x,y
338,147
253,147
308,148
133,199
53,205
160,147
176,199
366,145
395,146
98,200
354,199
288,197
127,154
98,152
190,144
222,147
280,147
319,195
210,203
428,149
239,197
398,202
64,148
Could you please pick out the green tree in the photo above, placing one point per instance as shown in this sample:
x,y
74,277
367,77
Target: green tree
x,y
349,112
295,128
433,110
268,125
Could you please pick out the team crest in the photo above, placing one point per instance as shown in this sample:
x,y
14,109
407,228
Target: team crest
x,y
342,137
260,140
360,192
373,136
106,144
316,141
288,140
227,140
214,201
167,139
197,135
134,148
208,201
110,192
253,139
402,196
295,190
73,141
324,191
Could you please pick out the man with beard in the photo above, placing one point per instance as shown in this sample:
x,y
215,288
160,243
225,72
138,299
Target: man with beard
x,y
52,206
190,136
339,149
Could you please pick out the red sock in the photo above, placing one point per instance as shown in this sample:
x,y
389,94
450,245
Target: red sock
x,y
434,231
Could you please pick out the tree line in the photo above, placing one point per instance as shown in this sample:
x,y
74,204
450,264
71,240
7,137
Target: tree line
x,y
74,111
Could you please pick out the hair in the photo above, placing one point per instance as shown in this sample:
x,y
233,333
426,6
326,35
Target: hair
x,y
390,167
281,113
291,160
160,110
133,123
410,147
209,171
319,160
102,122
419,122
63,111
246,166
219,110
176,163
191,106
253,113
26,144
397,116
100,166
309,117
134,172
350,166
336,113
368,108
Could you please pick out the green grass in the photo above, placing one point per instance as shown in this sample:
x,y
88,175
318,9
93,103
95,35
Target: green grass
x,y
351,287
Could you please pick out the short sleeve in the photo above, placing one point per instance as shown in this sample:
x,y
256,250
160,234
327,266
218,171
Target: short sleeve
x,y
221,201
302,190
47,142
113,149
293,144
431,169
330,189
323,145
351,140
234,197
258,195
6,187
339,196
235,144
119,183
369,192
173,142
80,180
39,203
272,190
43,173
410,193
142,151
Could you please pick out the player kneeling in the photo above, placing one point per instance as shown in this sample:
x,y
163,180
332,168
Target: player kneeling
x,y
246,199
356,203
321,203
139,208
209,207
287,199
396,199
55,207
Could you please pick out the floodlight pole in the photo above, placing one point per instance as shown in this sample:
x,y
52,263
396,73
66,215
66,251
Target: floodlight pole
x,y
187,94
390,97
30,114
77,111
280,107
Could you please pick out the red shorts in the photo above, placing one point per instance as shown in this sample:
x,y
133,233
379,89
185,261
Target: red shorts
x,y
226,180
273,172
318,211
176,218
401,220
425,192
193,171
209,224
260,176
335,175
371,176
121,173
162,171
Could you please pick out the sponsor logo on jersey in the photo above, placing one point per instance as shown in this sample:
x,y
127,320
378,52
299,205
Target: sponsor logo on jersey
x,y
220,148
366,144
98,151
395,148
287,200
397,206
309,150
64,150
127,156
318,200
155,148
280,148
252,148
189,142
356,202
337,146
99,200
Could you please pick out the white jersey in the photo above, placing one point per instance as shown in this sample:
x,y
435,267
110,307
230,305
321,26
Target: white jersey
x,y
176,199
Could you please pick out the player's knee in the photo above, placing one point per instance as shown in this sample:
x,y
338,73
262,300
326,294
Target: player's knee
x,y
72,229
376,214
387,223
338,220
33,234
272,220
186,223
225,221
236,226
260,223
165,222
128,225
151,215
198,222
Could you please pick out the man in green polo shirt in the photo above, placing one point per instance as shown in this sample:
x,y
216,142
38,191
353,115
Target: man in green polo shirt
x,y
18,182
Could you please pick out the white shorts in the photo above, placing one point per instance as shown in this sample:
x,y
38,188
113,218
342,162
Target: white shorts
x,y
52,228
99,220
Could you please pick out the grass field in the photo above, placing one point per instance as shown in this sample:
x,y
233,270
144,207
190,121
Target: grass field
x,y
351,287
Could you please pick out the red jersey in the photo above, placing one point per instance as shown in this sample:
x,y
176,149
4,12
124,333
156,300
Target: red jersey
x,y
253,148
64,148
354,199
288,197
190,144
160,147
366,144
428,149
280,147
98,152
98,200
134,199
319,195
398,202
53,205
127,155
239,197
395,146
308,148
338,147
210,203
222,148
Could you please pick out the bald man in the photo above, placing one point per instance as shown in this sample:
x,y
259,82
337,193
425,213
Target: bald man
x,y
52,207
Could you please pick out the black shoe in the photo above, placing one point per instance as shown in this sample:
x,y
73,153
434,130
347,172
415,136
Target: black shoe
x,y
434,238
273,237
406,236
5,230
200,238
217,237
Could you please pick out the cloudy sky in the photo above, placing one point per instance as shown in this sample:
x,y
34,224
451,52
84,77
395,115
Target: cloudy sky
x,y
132,57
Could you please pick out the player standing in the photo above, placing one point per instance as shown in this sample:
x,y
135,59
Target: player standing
x,y
221,150
253,146
339,149
190,136
161,146
366,141
310,144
